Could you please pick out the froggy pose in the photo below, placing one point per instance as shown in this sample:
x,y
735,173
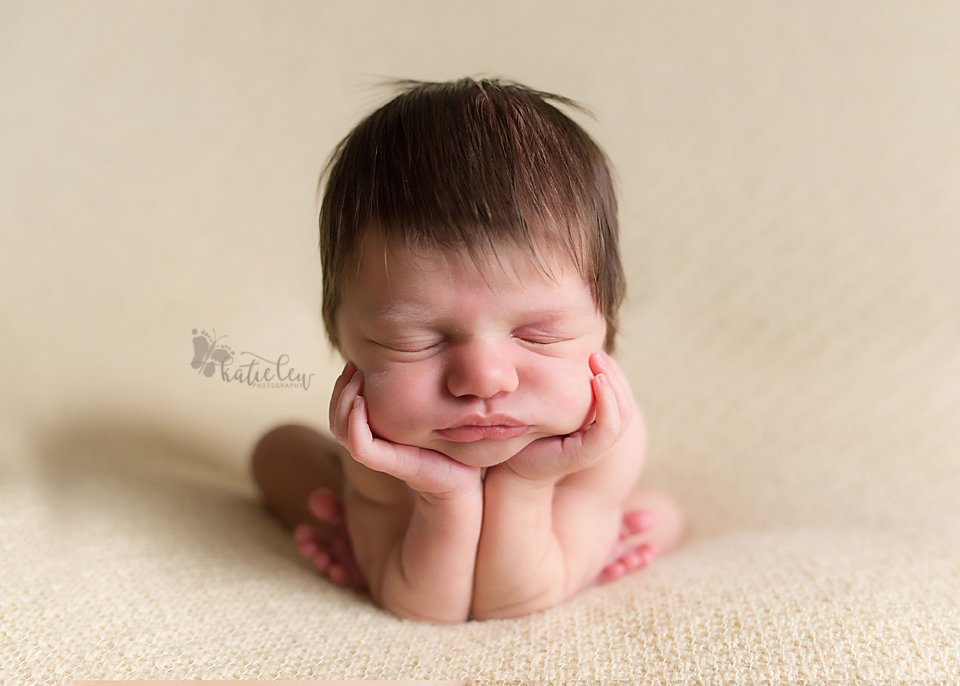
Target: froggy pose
x,y
490,444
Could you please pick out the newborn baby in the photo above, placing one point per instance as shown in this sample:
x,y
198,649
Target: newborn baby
x,y
490,444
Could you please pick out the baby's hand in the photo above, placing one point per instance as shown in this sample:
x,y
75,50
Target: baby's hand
x,y
425,471
554,457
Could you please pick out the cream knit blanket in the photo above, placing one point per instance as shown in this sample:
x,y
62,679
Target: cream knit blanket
x,y
790,178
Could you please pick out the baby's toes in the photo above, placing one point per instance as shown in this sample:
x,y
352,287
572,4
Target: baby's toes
x,y
342,568
632,560
648,553
326,506
636,522
322,561
306,540
313,545
629,561
330,552
338,575
611,572
641,556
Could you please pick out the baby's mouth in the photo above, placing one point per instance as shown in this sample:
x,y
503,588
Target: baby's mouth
x,y
477,428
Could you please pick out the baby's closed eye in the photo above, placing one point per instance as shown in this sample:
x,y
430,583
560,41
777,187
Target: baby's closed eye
x,y
543,337
409,346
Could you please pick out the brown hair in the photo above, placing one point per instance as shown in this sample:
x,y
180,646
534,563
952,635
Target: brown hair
x,y
471,166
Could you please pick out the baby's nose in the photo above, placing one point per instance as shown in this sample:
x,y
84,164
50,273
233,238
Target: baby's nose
x,y
480,368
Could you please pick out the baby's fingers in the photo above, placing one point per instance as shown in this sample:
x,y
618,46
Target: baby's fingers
x,y
348,371
609,423
343,408
615,406
359,436
425,471
601,363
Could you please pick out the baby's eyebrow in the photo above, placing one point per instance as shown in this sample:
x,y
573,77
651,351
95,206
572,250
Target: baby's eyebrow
x,y
413,316
403,314
554,315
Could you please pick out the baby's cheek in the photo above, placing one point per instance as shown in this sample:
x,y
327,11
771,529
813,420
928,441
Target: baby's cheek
x,y
397,405
572,394
582,398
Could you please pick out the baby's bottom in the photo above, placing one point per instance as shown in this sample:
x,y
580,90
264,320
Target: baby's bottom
x,y
300,476
299,473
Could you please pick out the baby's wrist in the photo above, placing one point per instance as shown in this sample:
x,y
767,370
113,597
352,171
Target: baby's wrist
x,y
514,476
471,489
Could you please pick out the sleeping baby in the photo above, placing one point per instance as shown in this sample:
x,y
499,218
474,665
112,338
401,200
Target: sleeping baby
x,y
489,445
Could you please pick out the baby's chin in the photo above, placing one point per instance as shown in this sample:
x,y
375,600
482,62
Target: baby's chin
x,y
485,452
488,452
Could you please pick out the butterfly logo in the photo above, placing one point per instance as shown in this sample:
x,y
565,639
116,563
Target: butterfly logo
x,y
207,355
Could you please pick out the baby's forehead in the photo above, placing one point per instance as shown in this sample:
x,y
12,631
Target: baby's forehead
x,y
391,273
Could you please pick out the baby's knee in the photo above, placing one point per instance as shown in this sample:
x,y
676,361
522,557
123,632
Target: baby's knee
x,y
272,445
298,452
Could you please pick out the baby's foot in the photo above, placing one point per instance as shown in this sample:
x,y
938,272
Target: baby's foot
x,y
329,548
627,557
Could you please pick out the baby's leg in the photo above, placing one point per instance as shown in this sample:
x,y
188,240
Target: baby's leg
x,y
299,473
289,464
652,525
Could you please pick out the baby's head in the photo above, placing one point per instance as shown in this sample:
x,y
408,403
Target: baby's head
x,y
476,168
470,267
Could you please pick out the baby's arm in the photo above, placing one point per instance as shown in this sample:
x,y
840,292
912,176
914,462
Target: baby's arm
x,y
553,513
416,543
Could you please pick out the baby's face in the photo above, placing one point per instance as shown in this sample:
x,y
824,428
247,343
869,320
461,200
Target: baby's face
x,y
475,365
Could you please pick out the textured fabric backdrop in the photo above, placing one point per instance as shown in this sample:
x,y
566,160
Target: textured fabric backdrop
x,y
790,183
